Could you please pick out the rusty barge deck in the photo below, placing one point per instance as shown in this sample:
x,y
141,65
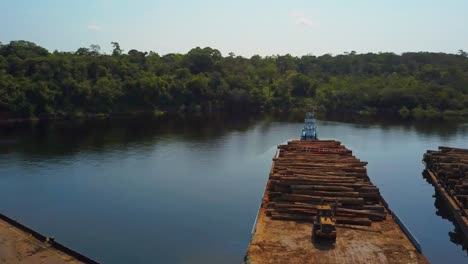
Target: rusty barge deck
x,y
306,173
20,244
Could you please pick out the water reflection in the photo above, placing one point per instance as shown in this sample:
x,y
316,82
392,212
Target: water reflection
x,y
69,137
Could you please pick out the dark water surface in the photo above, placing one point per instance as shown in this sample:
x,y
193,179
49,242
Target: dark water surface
x,y
187,191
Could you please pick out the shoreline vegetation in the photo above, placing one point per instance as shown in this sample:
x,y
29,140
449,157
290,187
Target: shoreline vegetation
x,y
36,84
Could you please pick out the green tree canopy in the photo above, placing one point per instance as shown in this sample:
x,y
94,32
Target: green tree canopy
x,y
411,85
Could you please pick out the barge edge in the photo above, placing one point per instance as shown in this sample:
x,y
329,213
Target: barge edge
x,y
21,244
460,219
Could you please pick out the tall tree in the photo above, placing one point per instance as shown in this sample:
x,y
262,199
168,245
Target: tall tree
x,y
462,53
95,49
117,51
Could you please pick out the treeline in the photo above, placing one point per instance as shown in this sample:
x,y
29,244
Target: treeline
x,y
36,83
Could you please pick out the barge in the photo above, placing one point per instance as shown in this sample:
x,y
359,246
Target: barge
x,y
447,171
305,175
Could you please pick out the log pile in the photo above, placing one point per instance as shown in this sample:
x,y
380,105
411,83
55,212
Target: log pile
x,y
450,166
307,173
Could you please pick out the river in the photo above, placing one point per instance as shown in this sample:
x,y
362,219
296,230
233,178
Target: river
x,y
147,190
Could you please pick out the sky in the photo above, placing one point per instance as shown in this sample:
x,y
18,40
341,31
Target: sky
x,y
245,27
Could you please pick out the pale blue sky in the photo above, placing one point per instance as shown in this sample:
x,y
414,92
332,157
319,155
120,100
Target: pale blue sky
x,y
244,27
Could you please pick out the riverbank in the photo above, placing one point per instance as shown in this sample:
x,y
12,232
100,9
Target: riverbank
x,y
79,116
294,115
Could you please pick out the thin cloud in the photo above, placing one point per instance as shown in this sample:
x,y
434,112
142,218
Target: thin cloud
x,y
94,28
302,20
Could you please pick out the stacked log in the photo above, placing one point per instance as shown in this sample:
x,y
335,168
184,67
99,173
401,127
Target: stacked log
x,y
450,166
308,173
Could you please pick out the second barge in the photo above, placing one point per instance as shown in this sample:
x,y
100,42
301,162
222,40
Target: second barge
x,y
447,171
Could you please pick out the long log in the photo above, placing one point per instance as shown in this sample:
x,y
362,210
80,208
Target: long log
x,y
309,198
313,212
314,162
319,165
370,189
322,188
330,184
334,173
375,208
313,177
375,195
289,217
291,205
318,181
312,209
450,149
326,194
369,214
308,218
338,174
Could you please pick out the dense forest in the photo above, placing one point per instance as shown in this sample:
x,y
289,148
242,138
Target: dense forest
x,y
37,83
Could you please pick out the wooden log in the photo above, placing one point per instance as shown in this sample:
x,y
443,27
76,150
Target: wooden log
x,y
326,193
313,212
361,176
280,188
451,182
316,181
312,176
313,162
317,164
315,174
306,166
375,195
369,214
308,218
451,149
292,217
312,209
309,198
291,205
336,173
330,184
374,208
462,197
292,210
305,179
315,157
322,188
368,189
